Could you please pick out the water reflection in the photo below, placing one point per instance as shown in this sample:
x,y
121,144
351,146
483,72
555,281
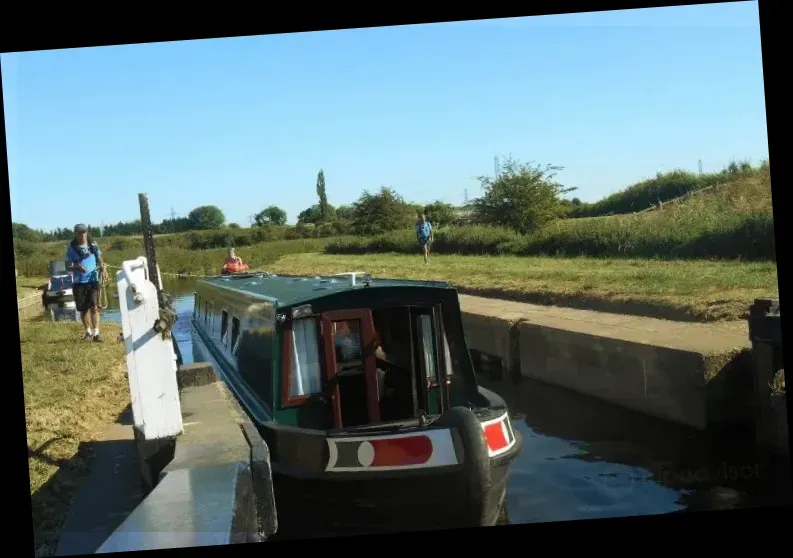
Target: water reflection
x,y
62,312
583,458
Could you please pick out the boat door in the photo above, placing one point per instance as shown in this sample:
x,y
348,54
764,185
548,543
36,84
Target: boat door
x,y
431,360
351,370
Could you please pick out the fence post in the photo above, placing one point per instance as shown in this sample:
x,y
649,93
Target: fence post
x,y
765,333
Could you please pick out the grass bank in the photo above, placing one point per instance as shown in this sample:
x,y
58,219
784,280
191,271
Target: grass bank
x,y
729,221
678,290
68,404
28,286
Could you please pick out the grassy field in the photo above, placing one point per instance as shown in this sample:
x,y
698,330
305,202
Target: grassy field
x,y
702,258
681,290
733,220
68,403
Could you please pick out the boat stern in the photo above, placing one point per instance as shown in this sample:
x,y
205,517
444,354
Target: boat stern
x,y
59,289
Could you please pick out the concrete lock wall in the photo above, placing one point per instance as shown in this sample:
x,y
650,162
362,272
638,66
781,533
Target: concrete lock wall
x,y
489,335
691,374
29,307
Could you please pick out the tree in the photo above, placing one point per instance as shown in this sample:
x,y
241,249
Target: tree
x,y
345,212
310,215
439,213
382,212
20,231
524,197
206,217
324,213
272,215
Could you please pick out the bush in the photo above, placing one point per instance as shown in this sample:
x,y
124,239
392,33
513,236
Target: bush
x,y
173,259
733,221
664,187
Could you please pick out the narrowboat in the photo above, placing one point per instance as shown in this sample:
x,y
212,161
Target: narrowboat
x,y
366,395
59,286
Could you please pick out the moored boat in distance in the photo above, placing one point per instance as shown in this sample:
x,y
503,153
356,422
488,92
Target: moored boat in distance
x,y
59,286
365,392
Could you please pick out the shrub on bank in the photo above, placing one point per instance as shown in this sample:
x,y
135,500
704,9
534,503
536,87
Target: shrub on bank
x,y
663,187
734,221
173,259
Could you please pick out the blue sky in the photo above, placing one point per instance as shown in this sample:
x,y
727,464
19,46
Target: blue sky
x,y
242,123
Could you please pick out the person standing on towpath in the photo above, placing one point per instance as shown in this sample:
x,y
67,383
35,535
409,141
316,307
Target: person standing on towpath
x,y
424,235
84,259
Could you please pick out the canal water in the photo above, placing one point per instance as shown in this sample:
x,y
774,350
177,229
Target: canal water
x,y
584,458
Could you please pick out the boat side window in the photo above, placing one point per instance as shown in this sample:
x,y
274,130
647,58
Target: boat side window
x,y
58,268
347,342
206,311
197,306
224,327
305,375
427,347
235,334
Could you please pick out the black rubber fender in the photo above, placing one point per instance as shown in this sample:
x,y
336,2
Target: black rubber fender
x,y
475,475
493,399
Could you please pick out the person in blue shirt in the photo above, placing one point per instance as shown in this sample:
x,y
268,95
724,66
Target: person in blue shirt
x,y
424,235
84,259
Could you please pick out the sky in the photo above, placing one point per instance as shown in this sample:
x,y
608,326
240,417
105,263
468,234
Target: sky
x,y
244,123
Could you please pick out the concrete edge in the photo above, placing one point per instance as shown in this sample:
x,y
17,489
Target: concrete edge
x,y
240,516
259,460
262,477
244,521
195,374
725,374
23,303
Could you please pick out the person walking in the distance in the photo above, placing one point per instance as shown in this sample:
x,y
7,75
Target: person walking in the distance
x,y
424,235
85,258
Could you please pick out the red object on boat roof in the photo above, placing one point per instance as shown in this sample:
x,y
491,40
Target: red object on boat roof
x,y
234,268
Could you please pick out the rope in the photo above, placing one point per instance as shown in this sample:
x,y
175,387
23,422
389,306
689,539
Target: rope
x,y
198,276
172,274
103,282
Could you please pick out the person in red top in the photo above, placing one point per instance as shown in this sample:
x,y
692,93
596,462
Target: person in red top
x,y
232,259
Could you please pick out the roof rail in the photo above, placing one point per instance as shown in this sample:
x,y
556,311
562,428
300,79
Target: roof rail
x,y
353,275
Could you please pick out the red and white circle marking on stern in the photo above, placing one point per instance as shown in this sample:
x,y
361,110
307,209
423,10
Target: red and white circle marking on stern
x,y
498,435
419,450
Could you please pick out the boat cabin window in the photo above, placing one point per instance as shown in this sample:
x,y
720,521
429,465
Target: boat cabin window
x,y
427,350
235,334
197,306
206,312
305,376
347,342
224,327
58,268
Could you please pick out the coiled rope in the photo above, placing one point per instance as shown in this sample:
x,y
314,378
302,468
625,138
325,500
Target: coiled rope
x,y
104,280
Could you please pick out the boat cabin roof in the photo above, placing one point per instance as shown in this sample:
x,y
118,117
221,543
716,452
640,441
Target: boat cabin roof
x,y
289,290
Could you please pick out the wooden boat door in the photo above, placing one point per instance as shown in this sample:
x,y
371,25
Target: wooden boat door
x,y
351,370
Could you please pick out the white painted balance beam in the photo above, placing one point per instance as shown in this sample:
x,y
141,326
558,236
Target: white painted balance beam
x,y
151,361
